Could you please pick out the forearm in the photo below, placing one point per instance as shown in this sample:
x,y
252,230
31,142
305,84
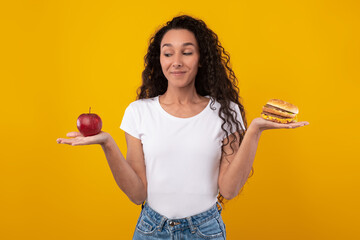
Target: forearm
x,y
239,169
125,177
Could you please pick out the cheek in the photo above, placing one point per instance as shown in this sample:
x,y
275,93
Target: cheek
x,y
195,63
164,63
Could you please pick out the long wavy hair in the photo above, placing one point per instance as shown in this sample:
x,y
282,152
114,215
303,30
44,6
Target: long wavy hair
x,y
214,78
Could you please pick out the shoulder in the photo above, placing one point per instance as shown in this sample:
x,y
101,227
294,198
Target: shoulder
x,y
234,106
141,104
217,105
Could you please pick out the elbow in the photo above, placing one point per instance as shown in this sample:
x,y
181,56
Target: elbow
x,y
228,195
137,201
140,200
230,192
226,191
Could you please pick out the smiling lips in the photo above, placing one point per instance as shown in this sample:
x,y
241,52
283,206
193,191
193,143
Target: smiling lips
x,y
177,73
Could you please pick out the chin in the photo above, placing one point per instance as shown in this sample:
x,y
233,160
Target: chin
x,y
179,83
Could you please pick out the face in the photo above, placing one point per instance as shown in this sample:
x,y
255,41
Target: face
x,y
179,57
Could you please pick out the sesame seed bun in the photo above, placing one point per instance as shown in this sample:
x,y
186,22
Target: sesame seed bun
x,y
283,105
277,110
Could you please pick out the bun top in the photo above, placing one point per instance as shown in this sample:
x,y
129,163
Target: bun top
x,y
283,105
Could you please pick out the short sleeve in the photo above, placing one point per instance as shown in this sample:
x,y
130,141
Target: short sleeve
x,y
130,122
235,107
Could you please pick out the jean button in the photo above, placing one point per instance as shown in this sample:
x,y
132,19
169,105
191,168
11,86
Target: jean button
x,y
171,223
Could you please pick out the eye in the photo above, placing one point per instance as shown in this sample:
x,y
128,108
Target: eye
x,y
188,53
167,54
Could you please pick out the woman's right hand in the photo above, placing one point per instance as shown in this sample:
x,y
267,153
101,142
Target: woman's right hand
x,y
79,139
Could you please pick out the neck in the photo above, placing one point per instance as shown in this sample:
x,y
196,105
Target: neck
x,y
180,96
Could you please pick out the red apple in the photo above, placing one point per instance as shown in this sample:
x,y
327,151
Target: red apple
x,y
89,124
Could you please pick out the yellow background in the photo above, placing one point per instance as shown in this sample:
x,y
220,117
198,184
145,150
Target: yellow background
x,y
58,58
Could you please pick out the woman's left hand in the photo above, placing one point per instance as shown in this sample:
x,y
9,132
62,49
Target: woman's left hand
x,y
262,124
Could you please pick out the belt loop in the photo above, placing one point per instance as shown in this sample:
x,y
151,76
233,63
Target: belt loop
x,y
161,224
192,227
218,203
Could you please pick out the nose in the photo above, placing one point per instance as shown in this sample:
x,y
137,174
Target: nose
x,y
177,61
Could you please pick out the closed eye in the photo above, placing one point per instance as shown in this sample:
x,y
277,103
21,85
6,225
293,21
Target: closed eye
x,y
169,54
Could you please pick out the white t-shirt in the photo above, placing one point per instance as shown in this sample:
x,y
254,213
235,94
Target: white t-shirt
x,y
182,155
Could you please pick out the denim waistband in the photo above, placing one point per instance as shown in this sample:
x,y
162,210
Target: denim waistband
x,y
179,223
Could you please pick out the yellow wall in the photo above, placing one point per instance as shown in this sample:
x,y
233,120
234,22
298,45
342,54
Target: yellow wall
x,y
58,58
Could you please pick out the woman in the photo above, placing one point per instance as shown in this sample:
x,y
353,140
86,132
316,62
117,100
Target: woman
x,y
188,145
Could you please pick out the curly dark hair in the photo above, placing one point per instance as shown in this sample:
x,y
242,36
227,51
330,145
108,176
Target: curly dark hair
x,y
214,78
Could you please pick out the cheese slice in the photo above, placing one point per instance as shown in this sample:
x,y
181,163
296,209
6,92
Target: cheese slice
x,y
285,120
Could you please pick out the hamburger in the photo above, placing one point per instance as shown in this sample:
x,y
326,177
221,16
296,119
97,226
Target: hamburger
x,y
279,111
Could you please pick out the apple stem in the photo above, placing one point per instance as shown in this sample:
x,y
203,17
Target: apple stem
x,y
89,109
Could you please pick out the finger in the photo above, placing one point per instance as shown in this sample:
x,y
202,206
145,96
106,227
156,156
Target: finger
x,y
74,134
77,141
64,141
281,125
298,124
84,141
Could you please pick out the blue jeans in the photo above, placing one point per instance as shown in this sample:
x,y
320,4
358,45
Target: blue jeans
x,y
151,225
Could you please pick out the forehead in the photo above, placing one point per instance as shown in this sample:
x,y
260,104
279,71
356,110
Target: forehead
x,y
178,37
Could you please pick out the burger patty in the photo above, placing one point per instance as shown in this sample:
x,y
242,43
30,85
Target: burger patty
x,y
279,109
274,115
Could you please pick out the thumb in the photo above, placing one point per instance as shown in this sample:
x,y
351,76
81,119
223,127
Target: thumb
x,y
73,134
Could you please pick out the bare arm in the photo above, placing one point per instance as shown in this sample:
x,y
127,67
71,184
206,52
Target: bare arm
x,y
124,174
234,175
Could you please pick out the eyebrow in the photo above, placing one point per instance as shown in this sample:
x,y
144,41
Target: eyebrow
x,y
185,44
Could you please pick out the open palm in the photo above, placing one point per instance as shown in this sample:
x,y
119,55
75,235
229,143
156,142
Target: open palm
x,y
263,124
78,139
